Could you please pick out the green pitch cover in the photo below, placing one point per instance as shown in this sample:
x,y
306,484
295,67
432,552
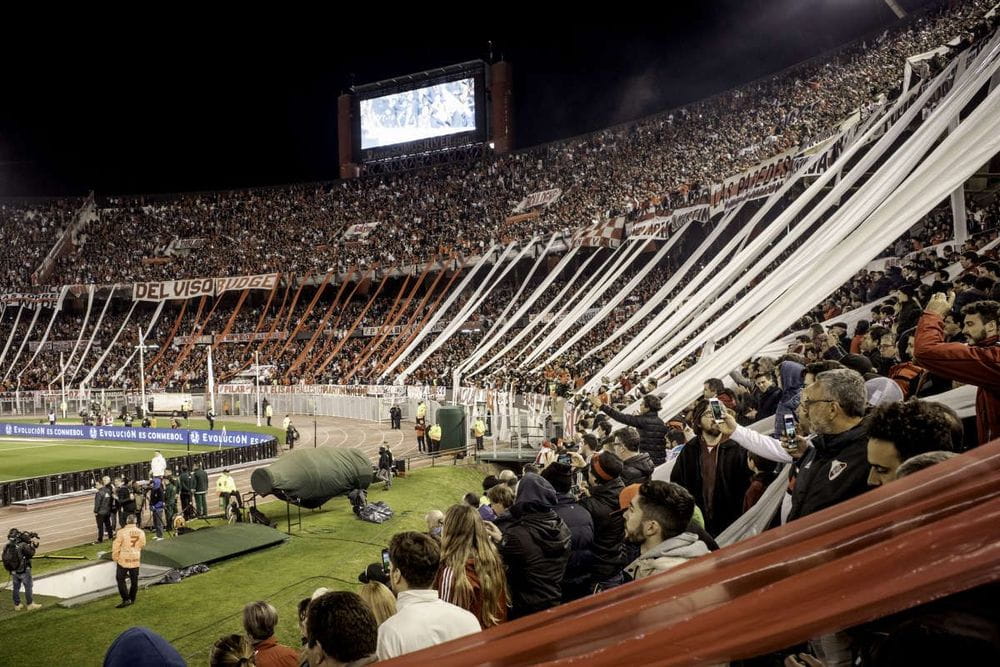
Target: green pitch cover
x,y
310,477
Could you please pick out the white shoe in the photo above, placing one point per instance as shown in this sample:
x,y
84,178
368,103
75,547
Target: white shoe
x,y
158,539
34,605
18,607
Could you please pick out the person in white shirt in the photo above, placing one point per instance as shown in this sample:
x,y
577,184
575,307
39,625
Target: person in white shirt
x,y
158,466
422,619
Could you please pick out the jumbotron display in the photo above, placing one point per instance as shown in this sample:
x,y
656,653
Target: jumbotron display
x,y
433,111
421,114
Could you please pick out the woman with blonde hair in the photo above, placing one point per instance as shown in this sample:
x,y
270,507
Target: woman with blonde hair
x,y
471,574
379,598
232,651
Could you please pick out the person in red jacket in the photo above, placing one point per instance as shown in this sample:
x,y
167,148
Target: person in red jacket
x,y
977,363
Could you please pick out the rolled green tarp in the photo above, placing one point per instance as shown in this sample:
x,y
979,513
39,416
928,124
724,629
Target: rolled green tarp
x,y
453,426
310,477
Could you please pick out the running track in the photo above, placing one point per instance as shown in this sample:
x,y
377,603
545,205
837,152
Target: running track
x,y
72,523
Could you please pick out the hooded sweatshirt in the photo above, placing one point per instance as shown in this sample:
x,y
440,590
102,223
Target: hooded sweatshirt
x,y
637,469
791,391
669,553
142,646
535,548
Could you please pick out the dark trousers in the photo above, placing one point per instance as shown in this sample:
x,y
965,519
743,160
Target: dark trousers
x,y
104,524
479,442
186,500
421,446
201,502
22,579
131,573
159,521
211,424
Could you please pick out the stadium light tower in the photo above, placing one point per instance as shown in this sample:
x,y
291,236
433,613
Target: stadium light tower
x,y
142,347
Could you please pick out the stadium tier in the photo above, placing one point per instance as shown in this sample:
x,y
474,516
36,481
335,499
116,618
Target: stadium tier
x,y
753,339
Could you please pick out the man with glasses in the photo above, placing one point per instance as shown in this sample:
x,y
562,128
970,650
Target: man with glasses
x,y
836,467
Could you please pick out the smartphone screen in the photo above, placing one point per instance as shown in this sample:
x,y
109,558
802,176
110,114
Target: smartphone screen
x,y
385,560
717,411
789,423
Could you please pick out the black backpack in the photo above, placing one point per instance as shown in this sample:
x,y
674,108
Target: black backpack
x,y
13,559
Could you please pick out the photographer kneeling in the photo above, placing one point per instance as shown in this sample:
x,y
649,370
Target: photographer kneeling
x,y
17,555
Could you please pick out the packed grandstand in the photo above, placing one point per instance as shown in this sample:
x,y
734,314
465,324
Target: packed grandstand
x,y
809,239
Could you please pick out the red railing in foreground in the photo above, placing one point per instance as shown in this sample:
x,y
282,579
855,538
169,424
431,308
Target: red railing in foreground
x,y
931,534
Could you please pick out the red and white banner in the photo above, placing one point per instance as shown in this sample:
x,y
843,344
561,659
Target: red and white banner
x,y
543,198
192,287
360,230
196,340
231,338
761,181
437,393
251,337
31,299
60,345
663,226
190,244
607,234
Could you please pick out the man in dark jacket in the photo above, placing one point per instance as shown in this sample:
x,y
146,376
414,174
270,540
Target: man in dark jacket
x,y
535,548
170,498
880,287
126,500
651,428
977,363
836,467
186,489
157,505
908,312
714,470
767,397
200,489
103,503
637,467
581,528
21,573
604,485
790,379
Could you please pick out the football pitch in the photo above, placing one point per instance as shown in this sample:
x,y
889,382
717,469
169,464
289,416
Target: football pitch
x,y
33,457
22,457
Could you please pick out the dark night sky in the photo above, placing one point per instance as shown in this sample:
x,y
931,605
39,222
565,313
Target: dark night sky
x,y
170,107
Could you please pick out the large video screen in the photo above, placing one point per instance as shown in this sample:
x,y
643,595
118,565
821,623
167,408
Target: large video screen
x,y
434,111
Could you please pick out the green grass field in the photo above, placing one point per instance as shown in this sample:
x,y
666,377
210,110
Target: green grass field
x,y
331,550
32,457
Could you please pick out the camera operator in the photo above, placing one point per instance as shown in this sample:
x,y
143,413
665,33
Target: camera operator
x,y
17,555
126,499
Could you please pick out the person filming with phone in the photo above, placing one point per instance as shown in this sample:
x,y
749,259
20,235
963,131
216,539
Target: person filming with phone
x,y
713,468
833,463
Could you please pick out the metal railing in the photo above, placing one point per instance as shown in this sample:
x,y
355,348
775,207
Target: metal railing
x,y
20,490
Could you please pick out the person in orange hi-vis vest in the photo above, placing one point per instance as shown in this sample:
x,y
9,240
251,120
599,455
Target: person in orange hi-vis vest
x,y
125,553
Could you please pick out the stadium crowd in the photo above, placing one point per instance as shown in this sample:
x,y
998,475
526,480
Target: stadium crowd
x,y
665,161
